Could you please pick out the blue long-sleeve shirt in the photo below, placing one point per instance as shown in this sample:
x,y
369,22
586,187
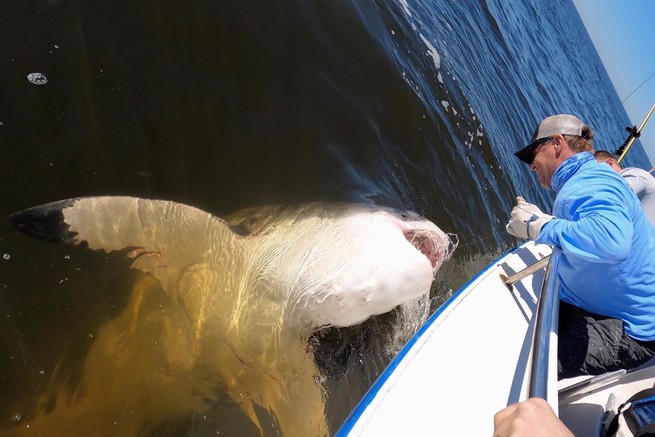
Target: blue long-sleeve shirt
x,y
608,245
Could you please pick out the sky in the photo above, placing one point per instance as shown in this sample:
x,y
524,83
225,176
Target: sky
x,y
623,32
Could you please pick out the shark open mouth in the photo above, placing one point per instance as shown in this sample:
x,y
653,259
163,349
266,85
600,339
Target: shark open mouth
x,y
432,245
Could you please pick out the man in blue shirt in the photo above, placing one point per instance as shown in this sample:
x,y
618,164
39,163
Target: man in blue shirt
x,y
607,268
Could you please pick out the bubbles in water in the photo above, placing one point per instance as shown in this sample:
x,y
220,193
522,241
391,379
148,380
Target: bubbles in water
x,y
37,78
411,315
6,257
320,379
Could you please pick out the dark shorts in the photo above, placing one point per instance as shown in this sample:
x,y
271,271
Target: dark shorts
x,y
590,344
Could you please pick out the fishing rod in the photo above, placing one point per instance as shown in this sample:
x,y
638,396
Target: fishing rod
x,y
634,133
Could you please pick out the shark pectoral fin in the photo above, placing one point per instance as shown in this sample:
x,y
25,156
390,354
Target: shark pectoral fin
x,y
45,222
162,237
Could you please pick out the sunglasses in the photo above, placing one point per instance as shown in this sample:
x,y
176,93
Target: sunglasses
x,y
535,146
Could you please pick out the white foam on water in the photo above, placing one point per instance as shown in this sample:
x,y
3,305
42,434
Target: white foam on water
x,y
405,7
432,52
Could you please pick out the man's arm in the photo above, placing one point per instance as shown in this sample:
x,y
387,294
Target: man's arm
x,y
594,226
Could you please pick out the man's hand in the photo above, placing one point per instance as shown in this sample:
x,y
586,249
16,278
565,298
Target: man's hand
x,y
533,417
526,220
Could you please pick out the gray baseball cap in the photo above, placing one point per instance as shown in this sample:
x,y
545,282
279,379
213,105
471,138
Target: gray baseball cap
x,y
564,124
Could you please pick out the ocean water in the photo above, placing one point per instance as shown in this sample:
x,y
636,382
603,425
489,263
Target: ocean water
x,y
225,105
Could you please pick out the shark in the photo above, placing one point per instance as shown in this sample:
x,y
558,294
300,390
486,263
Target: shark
x,y
224,307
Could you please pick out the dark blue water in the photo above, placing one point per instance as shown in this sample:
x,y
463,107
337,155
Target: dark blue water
x,y
225,105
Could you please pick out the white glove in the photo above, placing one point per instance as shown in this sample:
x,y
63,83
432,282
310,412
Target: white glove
x,y
526,220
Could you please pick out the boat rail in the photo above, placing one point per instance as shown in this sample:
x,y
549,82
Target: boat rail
x,y
546,318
